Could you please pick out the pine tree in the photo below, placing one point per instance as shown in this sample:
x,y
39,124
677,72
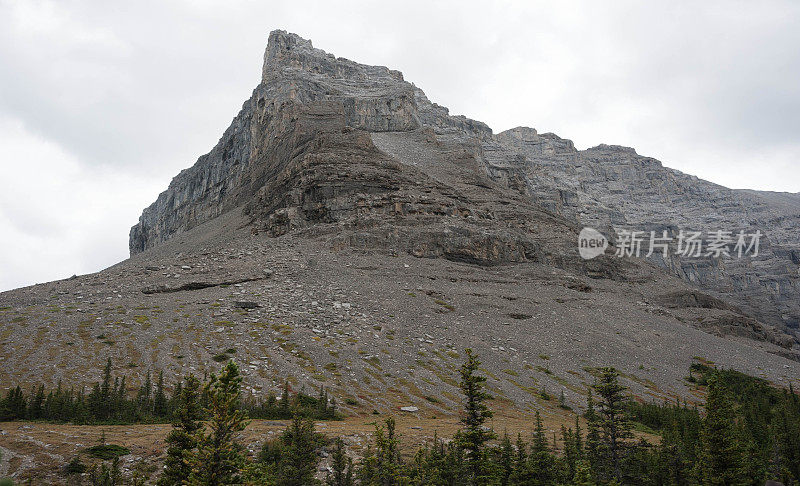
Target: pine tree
x,y
614,425
144,397
285,409
506,460
298,458
322,403
570,453
15,404
331,412
578,439
36,407
95,402
382,466
160,398
592,434
116,473
720,460
341,466
218,458
120,399
473,437
105,388
583,475
182,438
672,461
562,401
540,459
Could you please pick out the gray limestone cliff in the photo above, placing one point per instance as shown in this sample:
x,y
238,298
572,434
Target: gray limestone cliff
x,y
327,146
610,187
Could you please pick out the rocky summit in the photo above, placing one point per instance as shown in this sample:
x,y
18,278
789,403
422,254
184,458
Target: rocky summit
x,y
346,231
326,145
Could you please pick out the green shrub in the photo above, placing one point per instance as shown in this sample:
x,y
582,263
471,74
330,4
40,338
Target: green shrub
x,y
75,466
107,451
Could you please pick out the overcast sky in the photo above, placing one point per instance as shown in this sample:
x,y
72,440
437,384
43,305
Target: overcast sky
x,y
102,103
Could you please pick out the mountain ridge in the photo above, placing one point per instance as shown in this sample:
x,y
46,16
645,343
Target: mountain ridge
x,y
305,91
365,260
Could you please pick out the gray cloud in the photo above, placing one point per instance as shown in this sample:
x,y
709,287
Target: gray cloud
x,y
114,99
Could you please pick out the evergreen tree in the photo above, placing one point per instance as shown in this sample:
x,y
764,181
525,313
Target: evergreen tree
x,y
298,459
160,398
473,438
720,461
341,466
182,438
36,407
382,465
570,454
120,399
540,459
520,462
614,425
95,402
578,444
592,434
105,388
144,397
284,405
583,475
218,458
14,407
506,460
322,402
672,464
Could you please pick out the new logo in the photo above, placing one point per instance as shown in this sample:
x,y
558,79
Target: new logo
x,y
591,243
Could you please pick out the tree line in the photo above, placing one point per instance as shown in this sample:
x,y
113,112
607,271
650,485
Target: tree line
x,y
109,401
747,432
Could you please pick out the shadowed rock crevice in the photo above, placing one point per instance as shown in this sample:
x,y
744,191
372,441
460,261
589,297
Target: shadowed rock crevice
x,y
165,289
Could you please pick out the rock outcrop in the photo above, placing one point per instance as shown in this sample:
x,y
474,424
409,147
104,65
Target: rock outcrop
x,y
306,150
356,154
610,187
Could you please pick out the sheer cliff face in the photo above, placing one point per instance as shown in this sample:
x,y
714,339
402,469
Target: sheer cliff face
x,y
611,187
354,152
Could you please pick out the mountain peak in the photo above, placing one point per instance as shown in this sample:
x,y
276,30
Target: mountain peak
x,y
329,146
286,50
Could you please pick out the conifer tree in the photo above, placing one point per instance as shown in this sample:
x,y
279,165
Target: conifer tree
x,y
284,405
578,439
520,461
720,461
382,465
182,438
583,475
144,397
298,458
36,407
15,404
506,460
341,466
105,388
120,399
614,425
570,454
540,459
592,434
473,438
160,398
322,403
218,458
